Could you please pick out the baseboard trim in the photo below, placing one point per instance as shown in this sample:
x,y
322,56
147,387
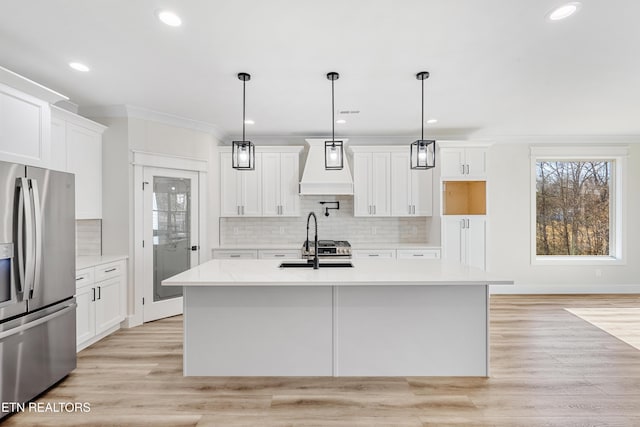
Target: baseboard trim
x,y
565,289
130,321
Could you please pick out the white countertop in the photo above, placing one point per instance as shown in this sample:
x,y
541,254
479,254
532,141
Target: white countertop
x,y
365,272
91,261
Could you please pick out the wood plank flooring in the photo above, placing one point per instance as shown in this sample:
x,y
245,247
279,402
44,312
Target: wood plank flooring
x,y
549,368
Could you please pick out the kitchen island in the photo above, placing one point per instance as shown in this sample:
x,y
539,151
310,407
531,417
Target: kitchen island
x,y
378,318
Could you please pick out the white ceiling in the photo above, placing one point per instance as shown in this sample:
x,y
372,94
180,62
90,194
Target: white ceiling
x,y
498,67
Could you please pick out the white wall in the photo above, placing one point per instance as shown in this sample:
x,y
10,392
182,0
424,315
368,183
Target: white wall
x,y
509,239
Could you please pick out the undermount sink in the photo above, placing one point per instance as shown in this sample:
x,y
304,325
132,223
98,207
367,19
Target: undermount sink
x,y
310,265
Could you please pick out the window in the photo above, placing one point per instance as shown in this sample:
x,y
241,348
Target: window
x,y
577,204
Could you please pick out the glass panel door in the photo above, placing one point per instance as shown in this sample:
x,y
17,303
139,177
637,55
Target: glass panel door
x,y
171,228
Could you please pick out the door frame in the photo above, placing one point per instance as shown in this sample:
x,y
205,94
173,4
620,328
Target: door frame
x,y
142,159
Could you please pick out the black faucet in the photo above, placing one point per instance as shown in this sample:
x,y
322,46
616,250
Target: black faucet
x,y
316,262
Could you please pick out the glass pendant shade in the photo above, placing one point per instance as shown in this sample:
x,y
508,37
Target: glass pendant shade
x,y
423,154
333,155
243,155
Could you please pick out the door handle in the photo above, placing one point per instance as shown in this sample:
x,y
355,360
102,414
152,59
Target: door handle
x,y
194,248
37,219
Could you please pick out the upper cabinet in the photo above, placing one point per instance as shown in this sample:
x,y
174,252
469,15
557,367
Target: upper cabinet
x,y
371,182
463,161
385,185
271,189
77,148
240,190
280,175
411,189
25,128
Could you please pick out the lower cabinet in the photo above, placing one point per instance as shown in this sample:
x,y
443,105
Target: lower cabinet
x,y
235,254
374,253
418,253
100,299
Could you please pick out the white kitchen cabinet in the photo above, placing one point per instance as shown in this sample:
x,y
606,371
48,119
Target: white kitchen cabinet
x,y
411,189
76,144
25,128
280,179
101,302
418,253
463,162
374,253
240,190
279,254
464,239
235,254
371,183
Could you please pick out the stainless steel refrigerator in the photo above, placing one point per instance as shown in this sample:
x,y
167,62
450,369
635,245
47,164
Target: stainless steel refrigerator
x,y
37,280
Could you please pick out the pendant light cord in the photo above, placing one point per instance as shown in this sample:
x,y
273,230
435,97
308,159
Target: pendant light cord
x,y
422,138
333,116
244,83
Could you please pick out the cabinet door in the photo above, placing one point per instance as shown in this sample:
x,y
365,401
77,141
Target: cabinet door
x,y
58,145
476,161
380,184
361,184
229,187
475,242
271,184
25,128
85,315
422,192
84,159
108,304
251,190
453,235
289,184
401,204
452,162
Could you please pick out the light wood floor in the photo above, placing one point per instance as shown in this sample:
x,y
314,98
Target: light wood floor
x,y
549,368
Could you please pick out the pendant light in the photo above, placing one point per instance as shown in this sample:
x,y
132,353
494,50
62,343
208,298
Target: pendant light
x,y
243,153
333,150
423,152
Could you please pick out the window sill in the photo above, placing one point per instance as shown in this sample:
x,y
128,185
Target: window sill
x,y
577,260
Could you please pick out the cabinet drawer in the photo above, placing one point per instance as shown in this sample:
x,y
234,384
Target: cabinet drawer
x,y
384,253
84,277
418,253
274,254
239,254
108,271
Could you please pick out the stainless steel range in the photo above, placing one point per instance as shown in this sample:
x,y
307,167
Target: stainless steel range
x,y
328,249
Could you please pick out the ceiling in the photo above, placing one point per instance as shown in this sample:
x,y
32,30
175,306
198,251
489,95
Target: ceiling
x,y
498,67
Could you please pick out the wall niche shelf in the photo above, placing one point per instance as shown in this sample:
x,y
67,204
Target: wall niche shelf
x,y
464,197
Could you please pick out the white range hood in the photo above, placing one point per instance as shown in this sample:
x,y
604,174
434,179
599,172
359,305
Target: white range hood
x,y
316,180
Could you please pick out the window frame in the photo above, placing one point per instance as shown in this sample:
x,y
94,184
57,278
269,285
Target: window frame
x,y
617,218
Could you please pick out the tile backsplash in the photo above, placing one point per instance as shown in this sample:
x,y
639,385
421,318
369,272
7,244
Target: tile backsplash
x,y
88,237
339,225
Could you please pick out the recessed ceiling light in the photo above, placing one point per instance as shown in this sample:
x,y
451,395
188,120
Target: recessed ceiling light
x,y
169,18
432,121
341,121
79,66
249,122
564,11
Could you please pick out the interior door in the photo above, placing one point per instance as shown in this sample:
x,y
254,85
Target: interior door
x,y
170,235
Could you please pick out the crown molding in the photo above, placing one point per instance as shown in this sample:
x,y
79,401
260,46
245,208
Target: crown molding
x,y
132,111
566,139
30,87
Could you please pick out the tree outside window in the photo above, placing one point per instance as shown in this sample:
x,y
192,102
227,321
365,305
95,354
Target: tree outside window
x,y
573,207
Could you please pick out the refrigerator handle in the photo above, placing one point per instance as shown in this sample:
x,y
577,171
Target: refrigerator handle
x,y
37,322
25,240
37,219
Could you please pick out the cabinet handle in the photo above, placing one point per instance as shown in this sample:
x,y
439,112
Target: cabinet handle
x,y
110,270
369,209
99,292
93,297
467,169
418,254
374,254
414,210
234,256
243,210
463,223
462,167
79,278
238,209
409,209
374,209
467,222
278,255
